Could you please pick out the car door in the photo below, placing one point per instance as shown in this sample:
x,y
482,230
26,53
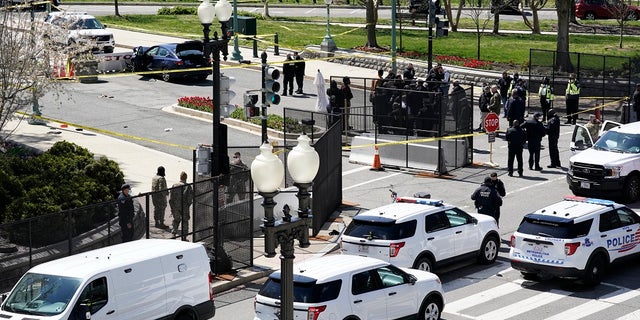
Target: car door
x,y
368,300
440,238
620,229
401,296
580,139
607,125
467,237
97,299
150,58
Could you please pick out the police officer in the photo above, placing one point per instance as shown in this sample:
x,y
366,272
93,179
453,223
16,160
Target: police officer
x,y
487,200
535,131
515,138
553,134
572,99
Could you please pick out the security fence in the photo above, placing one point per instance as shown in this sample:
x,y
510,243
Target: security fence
x,y
424,125
606,81
27,243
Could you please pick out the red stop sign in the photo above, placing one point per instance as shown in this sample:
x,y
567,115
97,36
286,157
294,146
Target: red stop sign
x,y
491,122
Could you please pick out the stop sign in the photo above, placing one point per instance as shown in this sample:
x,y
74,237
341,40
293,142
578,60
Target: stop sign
x,y
491,122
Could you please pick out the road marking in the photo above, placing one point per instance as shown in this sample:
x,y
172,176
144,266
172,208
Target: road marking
x,y
371,181
356,170
593,306
526,305
536,185
481,297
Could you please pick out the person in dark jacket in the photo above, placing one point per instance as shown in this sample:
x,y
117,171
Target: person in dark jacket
x,y
487,200
299,71
289,73
553,134
505,83
483,104
515,108
125,213
515,138
535,131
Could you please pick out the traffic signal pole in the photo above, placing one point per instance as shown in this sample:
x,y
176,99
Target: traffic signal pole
x,y
263,120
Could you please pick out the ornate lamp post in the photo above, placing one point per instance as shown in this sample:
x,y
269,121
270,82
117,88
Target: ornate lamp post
x,y
206,13
267,173
327,44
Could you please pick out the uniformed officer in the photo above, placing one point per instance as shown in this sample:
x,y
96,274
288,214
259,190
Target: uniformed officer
x,y
572,99
487,200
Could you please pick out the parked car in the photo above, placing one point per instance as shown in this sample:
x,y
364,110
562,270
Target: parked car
x,y
506,7
605,9
422,233
83,29
170,58
576,238
353,287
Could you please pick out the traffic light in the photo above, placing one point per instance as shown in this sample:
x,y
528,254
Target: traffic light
x,y
250,108
442,28
226,94
271,86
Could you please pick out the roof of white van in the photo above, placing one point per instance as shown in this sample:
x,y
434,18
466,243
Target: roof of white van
x,y
100,260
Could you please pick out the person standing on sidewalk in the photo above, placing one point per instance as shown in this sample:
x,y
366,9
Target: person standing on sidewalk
x,y
125,213
535,131
495,101
545,98
159,197
483,104
515,139
553,134
299,71
505,84
180,199
289,73
499,185
515,107
572,99
347,95
636,101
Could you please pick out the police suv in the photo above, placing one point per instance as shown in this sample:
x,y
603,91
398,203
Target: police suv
x,y
576,238
422,234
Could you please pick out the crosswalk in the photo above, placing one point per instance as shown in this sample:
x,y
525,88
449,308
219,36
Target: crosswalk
x,y
505,295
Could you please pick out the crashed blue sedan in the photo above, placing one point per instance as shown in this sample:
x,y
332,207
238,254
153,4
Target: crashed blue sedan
x,y
173,61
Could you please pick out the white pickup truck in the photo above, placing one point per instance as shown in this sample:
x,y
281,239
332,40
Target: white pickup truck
x,y
608,165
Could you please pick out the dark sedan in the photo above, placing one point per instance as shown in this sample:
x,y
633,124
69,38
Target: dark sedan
x,y
171,58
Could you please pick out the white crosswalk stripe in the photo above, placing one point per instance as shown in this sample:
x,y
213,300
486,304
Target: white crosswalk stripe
x,y
470,306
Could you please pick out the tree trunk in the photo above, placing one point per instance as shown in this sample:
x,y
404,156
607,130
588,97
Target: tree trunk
x,y
621,34
447,9
372,21
496,23
117,10
478,35
265,11
563,60
536,20
459,11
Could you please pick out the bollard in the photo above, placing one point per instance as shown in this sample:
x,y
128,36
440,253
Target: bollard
x,y
276,48
255,47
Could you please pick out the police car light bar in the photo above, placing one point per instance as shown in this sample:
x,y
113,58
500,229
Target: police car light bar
x,y
590,200
435,203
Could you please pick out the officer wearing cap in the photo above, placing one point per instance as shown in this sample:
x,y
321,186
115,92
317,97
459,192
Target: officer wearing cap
x,y
553,134
534,131
487,200
125,213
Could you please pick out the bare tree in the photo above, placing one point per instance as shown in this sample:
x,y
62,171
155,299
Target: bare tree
x,y
372,21
29,52
481,19
623,13
535,6
453,23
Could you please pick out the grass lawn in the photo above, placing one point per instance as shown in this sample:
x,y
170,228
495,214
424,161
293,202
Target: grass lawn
x,y
296,34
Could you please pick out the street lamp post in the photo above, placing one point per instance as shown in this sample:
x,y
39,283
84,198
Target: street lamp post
x,y
327,44
267,173
206,13
236,55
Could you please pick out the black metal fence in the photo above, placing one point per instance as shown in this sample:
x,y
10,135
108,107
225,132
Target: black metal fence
x,y
413,119
606,81
40,239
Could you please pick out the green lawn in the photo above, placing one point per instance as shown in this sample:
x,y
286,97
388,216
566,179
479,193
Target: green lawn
x,y
297,34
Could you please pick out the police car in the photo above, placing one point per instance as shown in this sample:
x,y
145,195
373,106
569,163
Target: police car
x,y
576,238
422,234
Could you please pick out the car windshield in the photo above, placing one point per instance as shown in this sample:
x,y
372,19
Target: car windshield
x,y
619,142
375,230
535,225
86,24
305,292
41,294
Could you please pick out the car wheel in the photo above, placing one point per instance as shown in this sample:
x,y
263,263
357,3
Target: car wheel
x,y
489,250
166,76
631,189
589,16
633,16
431,309
596,268
424,264
529,275
185,316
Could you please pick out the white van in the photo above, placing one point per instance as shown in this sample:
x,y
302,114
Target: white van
x,y
143,279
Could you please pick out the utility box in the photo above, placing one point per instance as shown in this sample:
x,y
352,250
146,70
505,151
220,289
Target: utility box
x,y
247,26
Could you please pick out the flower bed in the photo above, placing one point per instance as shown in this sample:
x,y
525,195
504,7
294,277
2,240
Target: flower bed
x,y
197,103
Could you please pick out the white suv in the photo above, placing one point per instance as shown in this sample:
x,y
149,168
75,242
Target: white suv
x,y
352,287
83,29
576,238
422,234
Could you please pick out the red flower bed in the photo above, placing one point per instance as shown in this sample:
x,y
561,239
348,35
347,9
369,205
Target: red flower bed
x,y
197,103
465,62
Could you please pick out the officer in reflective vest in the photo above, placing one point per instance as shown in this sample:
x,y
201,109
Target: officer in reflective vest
x,y
573,97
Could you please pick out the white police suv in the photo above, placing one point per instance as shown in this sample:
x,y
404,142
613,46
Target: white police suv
x,y
576,238
422,234
353,287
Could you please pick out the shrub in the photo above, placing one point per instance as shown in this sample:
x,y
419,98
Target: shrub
x,y
178,10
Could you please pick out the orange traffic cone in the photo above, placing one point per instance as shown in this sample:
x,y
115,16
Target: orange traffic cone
x,y
377,166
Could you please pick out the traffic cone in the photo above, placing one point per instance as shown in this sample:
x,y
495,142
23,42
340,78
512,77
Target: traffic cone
x,y
377,166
